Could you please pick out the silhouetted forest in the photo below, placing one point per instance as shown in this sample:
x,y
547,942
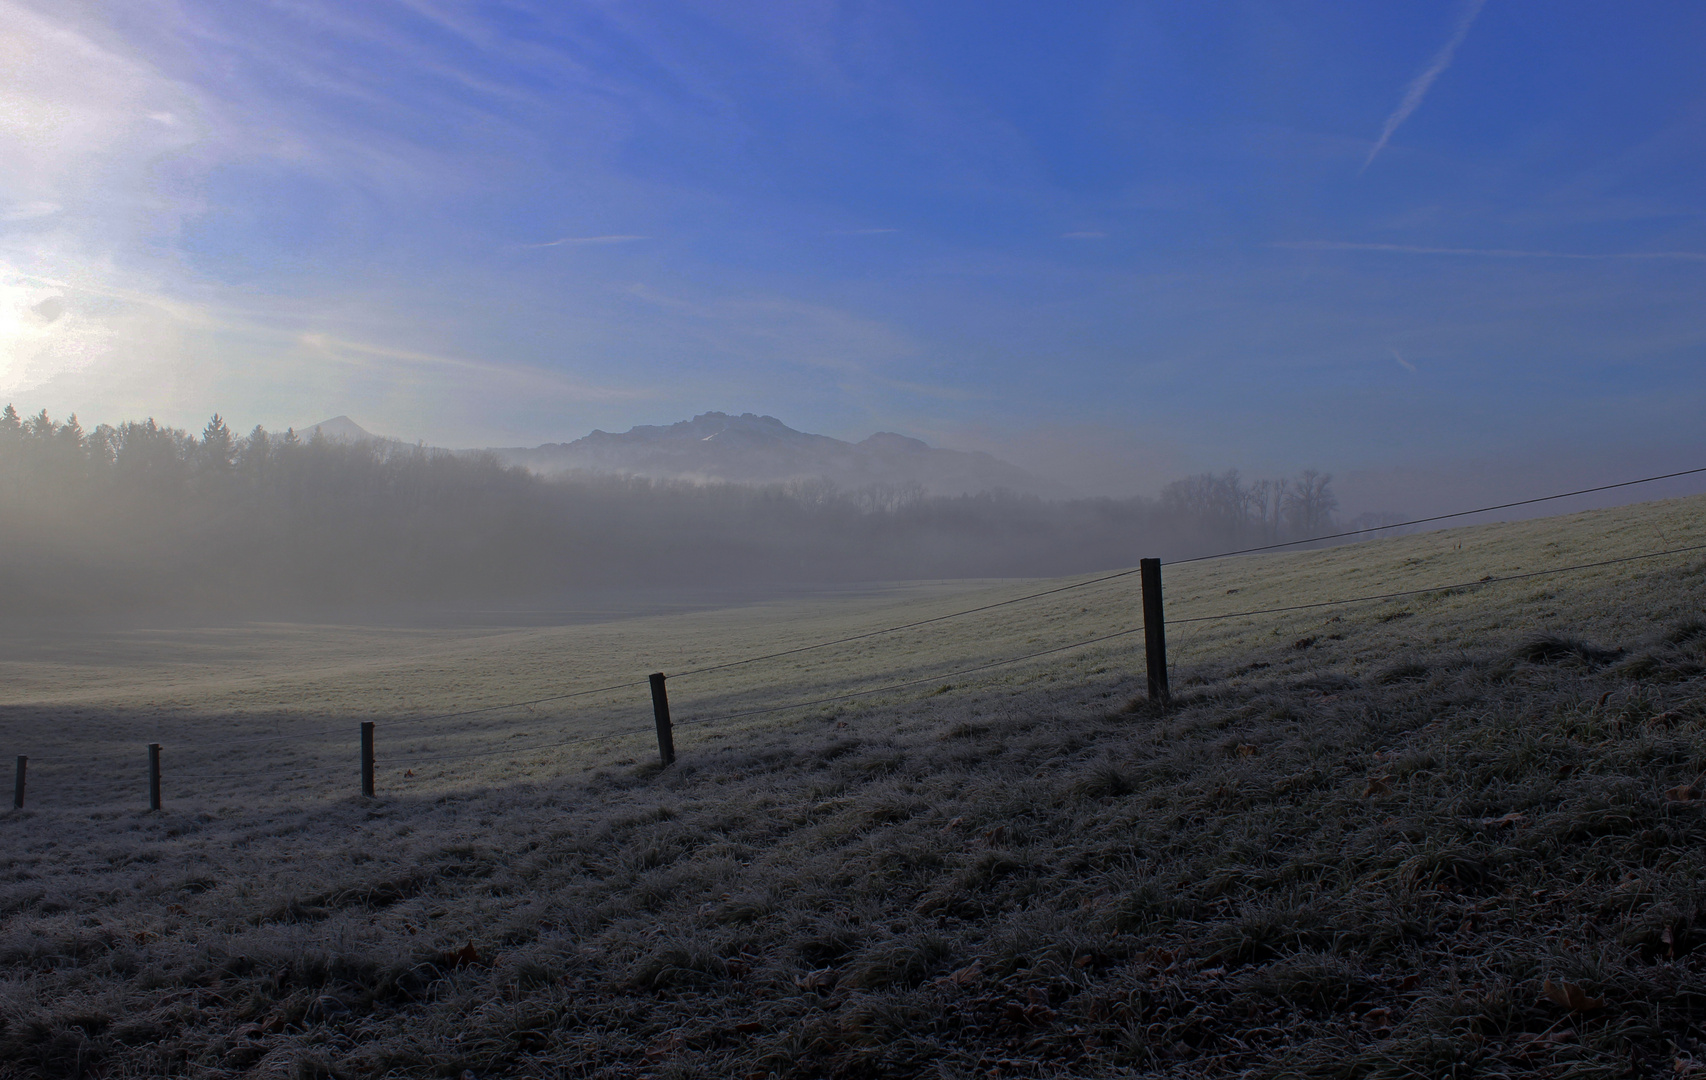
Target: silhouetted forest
x,y
143,515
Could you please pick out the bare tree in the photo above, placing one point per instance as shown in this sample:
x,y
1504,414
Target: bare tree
x,y
1310,503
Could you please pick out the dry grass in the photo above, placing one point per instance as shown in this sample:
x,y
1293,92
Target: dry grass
x,y
1364,855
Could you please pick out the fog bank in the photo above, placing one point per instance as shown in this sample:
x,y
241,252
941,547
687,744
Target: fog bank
x,y
142,516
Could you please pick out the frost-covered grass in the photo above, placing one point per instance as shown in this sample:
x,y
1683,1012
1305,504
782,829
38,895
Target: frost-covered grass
x,y
1359,843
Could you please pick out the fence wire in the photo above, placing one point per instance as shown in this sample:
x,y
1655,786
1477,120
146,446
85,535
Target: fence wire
x,y
1190,621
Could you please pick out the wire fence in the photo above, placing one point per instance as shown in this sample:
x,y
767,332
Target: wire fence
x,y
320,765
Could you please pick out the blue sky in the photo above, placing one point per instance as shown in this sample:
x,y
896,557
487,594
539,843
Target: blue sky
x,y
1114,242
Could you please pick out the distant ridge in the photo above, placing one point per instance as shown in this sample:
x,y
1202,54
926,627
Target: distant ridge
x,y
752,449
339,429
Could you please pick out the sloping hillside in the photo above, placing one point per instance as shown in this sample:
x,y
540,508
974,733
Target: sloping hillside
x,y
1452,833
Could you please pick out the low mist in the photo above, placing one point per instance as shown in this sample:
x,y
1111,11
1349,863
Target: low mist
x,y
141,516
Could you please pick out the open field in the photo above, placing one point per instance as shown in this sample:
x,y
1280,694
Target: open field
x,y
1359,843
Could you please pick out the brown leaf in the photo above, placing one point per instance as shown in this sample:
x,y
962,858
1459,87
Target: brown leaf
x,y
1511,818
1683,793
667,1045
408,772
466,956
1246,750
749,1027
1569,996
1027,1015
821,979
1377,786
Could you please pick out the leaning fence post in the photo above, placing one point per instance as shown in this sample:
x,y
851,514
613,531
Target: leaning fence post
x,y
367,758
153,776
1154,630
660,711
18,785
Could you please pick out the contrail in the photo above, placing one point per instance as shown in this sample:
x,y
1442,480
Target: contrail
x,y
622,239
1490,253
1418,88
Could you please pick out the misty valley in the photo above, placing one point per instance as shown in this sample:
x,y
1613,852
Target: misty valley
x,y
140,516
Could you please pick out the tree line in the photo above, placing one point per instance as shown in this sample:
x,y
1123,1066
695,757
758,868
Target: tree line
x,y
142,515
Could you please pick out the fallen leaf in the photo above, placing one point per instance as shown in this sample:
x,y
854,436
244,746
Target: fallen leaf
x,y
177,909
952,825
821,979
1511,818
1377,786
664,1046
1569,996
996,835
408,772
749,1027
1683,793
1029,1015
968,975
1603,698
466,956
1410,983
1246,750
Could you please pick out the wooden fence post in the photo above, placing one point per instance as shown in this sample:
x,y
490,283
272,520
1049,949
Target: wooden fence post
x,y
367,758
18,785
153,776
660,711
1154,630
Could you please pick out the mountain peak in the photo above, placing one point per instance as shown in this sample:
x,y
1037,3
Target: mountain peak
x,y
754,449
339,429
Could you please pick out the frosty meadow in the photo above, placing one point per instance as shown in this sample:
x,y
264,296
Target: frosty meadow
x,y
1377,837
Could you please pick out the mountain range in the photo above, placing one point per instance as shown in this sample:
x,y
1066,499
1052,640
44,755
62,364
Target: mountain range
x,y
752,449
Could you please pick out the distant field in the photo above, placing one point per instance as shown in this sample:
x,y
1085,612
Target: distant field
x,y
204,692
1025,869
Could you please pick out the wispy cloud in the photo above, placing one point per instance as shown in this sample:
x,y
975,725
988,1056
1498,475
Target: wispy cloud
x,y
27,210
1490,253
351,351
1396,355
1418,88
620,238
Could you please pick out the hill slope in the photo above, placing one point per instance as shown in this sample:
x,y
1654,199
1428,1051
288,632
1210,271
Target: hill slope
x,y
1454,833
